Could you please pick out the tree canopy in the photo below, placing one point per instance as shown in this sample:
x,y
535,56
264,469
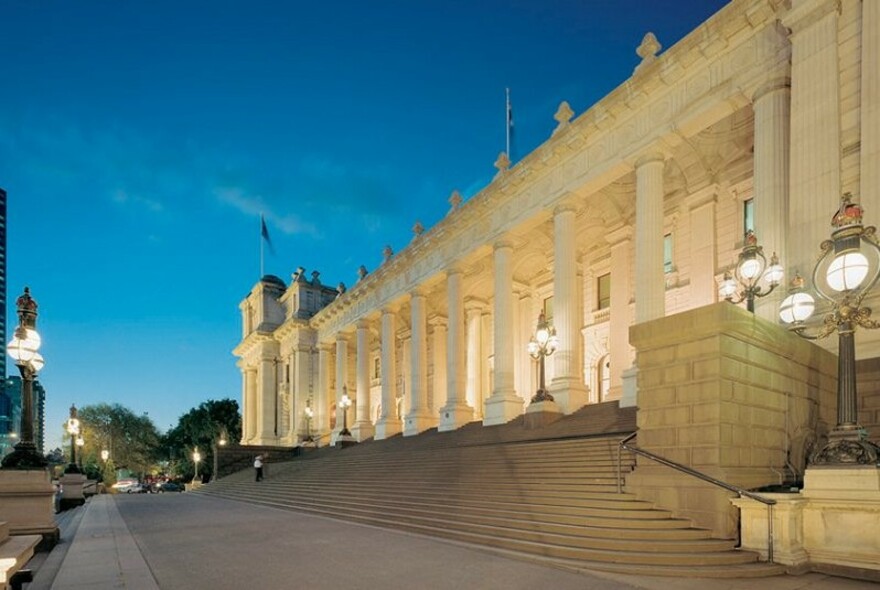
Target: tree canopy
x,y
201,428
130,439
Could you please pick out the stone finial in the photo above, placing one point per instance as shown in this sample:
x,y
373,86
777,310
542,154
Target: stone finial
x,y
316,277
648,51
455,200
563,116
418,229
299,275
387,253
340,289
502,163
362,272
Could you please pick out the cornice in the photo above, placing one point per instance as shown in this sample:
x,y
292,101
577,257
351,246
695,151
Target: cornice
x,y
707,75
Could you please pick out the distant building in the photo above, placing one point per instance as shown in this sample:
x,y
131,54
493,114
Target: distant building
x,y
10,414
2,283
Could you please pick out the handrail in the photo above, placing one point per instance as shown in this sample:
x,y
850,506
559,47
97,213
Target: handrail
x,y
769,502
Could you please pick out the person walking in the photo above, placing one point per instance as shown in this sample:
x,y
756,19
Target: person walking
x,y
258,467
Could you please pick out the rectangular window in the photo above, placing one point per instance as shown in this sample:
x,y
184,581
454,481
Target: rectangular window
x,y
667,253
748,216
603,288
548,309
376,368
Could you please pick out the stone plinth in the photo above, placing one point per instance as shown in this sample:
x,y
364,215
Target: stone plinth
x,y
728,394
540,414
27,504
831,526
72,485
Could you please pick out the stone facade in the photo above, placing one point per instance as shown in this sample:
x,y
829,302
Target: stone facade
x,y
629,213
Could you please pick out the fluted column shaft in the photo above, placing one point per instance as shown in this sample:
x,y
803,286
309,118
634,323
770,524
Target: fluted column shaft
x,y
267,412
300,392
568,382
341,377
621,314
362,428
650,284
250,403
389,423
322,413
474,385
815,130
503,405
772,132
455,412
419,415
870,110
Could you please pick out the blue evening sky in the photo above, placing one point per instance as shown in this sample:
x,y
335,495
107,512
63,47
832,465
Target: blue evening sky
x,y
139,142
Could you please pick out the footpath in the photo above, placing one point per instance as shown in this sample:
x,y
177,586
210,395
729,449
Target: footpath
x,y
192,542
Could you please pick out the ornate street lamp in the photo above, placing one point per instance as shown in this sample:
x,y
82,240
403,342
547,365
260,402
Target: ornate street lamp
x,y
73,431
846,271
309,414
23,348
105,454
542,345
80,443
751,268
344,403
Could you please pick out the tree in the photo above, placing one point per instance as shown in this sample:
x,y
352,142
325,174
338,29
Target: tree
x,y
201,428
131,440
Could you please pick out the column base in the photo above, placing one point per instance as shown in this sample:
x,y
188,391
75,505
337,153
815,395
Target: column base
x,y
569,394
502,407
453,417
417,422
542,413
630,396
27,504
362,430
387,427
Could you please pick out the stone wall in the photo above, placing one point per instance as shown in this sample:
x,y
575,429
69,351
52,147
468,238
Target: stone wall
x,y
868,387
731,395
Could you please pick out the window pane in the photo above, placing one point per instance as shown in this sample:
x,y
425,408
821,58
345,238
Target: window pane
x,y
604,290
667,253
748,216
548,309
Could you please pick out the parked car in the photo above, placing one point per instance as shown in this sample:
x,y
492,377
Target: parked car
x,y
137,488
169,486
123,485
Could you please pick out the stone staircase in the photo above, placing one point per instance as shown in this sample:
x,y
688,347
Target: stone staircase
x,y
550,494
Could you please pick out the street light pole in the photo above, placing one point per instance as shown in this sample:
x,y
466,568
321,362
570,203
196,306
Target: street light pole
x,y
73,431
542,345
345,403
845,273
748,272
23,348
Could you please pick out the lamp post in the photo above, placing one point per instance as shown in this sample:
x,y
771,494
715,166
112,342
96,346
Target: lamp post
x,y
73,431
105,454
542,344
848,268
80,443
309,414
23,348
344,403
751,268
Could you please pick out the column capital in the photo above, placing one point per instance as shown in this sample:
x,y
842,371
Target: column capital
x,y
363,324
390,309
341,337
454,269
650,157
503,243
438,321
805,13
472,305
419,291
782,83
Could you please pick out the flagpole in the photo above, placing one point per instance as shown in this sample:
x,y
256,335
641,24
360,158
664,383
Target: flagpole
x,y
507,121
262,274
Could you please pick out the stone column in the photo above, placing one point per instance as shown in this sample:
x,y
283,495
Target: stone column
x,y
650,282
870,111
267,401
362,428
455,413
321,422
772,104
815,129
419,418
475,355
249,405
302,392
438,389
528,320
503,405
623,372
567,387
389,423
341,381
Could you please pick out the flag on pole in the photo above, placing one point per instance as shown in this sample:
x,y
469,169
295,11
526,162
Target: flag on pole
x,y
265,233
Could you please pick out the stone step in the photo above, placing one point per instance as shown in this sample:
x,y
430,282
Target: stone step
x,y
15,552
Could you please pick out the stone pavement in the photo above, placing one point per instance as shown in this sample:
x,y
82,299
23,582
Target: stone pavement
x,y
187,541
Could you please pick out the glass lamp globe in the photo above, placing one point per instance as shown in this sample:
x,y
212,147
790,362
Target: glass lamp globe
x,y
105,454
37,363
775,273
750,269
308,412
33,338
73,426
797,307
345,401
21,350
727,288
847,271
553,343
542,335
197,456
80,441
533,348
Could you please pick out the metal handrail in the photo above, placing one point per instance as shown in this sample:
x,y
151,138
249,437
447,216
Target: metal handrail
x,y
769,502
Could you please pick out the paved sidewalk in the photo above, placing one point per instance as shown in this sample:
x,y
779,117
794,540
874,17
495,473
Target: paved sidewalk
x,y
188,541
